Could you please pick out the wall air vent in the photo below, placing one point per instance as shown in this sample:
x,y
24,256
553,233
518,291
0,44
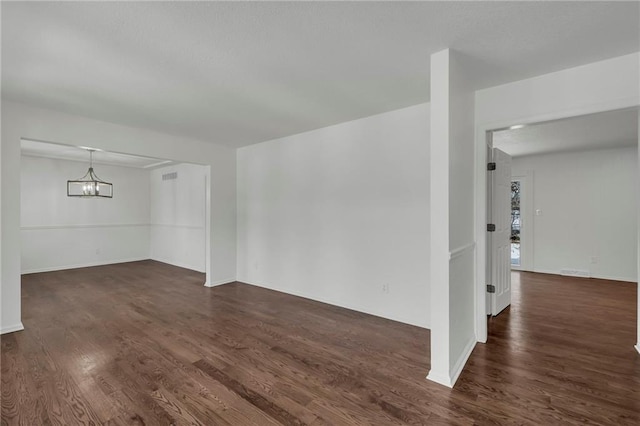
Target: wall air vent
x,y
170,176
575,273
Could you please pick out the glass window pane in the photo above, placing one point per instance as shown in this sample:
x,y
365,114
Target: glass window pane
x,y
515,222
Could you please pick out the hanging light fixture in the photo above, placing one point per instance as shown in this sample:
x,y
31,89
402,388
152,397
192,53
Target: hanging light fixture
x,y
89,185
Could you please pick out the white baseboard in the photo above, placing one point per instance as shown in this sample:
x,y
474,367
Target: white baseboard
x,y
178,264
462,360
82,265
610,278
442,379
12,328
599,277
449,380
335,303
219,282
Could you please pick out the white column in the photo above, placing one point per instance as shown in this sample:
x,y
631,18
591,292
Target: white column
x,y
638,269
10,319
452,165
439,226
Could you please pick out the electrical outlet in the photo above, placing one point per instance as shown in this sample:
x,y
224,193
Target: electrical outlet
x,y
97,251
385,288
594,259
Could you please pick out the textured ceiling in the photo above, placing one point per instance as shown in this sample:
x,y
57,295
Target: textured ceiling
x,y
238,73
595,131
73,153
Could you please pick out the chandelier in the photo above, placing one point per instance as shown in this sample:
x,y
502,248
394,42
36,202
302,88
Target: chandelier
x,y
89,185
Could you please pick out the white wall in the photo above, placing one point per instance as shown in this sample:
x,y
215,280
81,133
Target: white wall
x,y
588,219
337,213
17,325
595,87
60,232
178,216
22,121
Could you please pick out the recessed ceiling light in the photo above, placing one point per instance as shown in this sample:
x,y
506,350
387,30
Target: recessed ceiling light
x,y
516,126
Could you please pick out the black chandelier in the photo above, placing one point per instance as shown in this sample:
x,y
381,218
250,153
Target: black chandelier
x,y
89,185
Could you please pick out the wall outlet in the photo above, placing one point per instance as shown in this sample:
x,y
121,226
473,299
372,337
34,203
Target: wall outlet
x,y
97,251
594,259
385,288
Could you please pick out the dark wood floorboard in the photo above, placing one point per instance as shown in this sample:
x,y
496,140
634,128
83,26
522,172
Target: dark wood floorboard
x,y
145,343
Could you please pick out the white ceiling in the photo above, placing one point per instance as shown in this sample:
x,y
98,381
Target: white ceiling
x,y
595,131
73,153
238,73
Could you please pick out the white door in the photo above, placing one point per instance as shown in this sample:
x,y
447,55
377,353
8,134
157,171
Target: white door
x,y
501,237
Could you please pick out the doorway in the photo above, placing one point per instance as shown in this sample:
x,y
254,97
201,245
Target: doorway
x,y
573,190
149,217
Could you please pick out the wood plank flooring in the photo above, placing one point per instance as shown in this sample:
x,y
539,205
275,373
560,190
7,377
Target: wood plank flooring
x,y
145,343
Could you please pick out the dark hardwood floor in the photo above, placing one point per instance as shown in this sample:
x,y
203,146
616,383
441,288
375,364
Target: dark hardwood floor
x,y
145,343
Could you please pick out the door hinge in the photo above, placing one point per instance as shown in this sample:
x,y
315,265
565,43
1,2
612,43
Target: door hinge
x,y
491,227
491,288
491,166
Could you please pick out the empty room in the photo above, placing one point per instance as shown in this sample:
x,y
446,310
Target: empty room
x,y
261,213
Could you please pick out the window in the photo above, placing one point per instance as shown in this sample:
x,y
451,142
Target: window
x,y
515,222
